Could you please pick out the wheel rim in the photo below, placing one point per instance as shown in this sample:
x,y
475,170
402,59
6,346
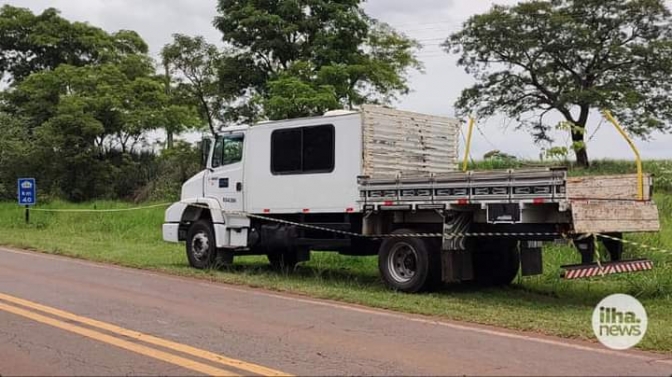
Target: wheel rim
x,y
402,262
200,246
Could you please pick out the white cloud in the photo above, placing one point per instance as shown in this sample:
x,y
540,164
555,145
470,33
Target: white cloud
x,y
426,20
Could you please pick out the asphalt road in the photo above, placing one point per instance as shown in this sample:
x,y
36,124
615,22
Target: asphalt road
x,y
60,316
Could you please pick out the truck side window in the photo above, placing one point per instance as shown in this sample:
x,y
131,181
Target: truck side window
x,y
228,150
307,150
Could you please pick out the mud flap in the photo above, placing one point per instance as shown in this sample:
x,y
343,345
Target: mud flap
x,y
531,260
457,265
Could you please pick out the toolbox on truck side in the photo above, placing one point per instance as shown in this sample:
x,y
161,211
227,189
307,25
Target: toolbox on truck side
x,y
384,182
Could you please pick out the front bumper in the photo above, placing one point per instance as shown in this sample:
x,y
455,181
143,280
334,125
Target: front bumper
x,y
171,232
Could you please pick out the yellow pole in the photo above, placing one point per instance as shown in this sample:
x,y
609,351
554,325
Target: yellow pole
x,y
467,151
640,170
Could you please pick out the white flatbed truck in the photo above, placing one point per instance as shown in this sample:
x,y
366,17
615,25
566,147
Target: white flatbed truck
x,y
385,182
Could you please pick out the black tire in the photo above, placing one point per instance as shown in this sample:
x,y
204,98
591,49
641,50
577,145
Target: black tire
x,y
283,260
410,264
201,245
496,262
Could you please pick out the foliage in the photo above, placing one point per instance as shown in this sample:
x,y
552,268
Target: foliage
x,y
298,93
498,155
15,147
174,166
193,64
31,43
80,106
570,57
78,115
294,57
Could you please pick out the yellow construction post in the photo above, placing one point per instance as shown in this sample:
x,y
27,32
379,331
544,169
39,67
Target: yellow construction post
x,y
640,170
465,165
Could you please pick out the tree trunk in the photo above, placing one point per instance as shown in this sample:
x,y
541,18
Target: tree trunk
x,y
169,139
169,133
581,153
211,120
579,138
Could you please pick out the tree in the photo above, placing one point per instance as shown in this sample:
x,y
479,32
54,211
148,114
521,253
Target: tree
x,y
31,43
296,93
79,115
80,105
570,57
15,149
350,55
194,64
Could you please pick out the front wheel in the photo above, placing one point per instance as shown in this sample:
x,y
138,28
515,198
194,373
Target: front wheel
x,y
201,245
409,264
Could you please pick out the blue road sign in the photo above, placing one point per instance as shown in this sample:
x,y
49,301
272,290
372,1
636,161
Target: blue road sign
x,y
27,192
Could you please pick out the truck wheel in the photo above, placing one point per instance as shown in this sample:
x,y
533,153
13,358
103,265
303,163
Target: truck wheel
x,y
201,245
283,260
409,264
496,262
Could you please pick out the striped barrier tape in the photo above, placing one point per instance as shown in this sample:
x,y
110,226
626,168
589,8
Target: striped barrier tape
x,y
446,235
633,243
352,234
100,210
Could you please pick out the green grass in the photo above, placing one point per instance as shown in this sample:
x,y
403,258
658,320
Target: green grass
x,y
543,304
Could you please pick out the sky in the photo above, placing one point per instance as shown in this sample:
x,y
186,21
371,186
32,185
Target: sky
x,y
429,21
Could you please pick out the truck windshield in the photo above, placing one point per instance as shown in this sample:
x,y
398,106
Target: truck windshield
x,y
228,150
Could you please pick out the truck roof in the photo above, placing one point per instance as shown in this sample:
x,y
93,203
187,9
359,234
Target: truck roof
x,y
330,114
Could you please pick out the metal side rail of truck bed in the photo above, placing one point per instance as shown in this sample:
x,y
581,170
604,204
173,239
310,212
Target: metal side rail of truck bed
x,y
459,189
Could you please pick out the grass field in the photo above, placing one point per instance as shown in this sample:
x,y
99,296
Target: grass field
x,y
544,304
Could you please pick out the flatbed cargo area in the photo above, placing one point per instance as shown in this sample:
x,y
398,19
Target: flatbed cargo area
x,y
598,204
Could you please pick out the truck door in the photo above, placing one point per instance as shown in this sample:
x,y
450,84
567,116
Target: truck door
x,y
224,181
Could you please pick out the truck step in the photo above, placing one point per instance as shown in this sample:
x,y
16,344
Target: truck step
x,y
581,271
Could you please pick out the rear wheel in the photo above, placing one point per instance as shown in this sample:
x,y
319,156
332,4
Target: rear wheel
x,y
409,264
201,245
496,261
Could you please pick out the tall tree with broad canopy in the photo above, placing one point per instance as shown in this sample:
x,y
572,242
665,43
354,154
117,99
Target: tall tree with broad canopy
x,y
571,57
345,58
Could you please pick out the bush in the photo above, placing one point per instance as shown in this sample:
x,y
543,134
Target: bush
x,y
173,167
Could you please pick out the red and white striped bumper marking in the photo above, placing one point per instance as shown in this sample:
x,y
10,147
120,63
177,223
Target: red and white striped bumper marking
x,y
587,271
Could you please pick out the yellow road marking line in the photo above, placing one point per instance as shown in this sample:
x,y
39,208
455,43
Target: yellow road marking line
x,y
193,351
137,348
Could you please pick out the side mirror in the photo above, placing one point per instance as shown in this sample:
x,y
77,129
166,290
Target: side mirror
x,y
206,143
